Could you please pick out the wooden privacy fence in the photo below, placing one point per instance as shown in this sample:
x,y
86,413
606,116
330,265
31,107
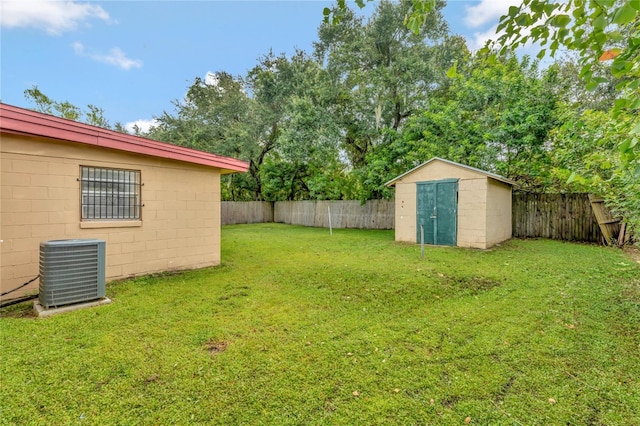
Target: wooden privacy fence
x,y
374,214
567,217
233,212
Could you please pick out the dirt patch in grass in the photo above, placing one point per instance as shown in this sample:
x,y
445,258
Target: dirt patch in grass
x,y
631,289
451,401
151,379
472,284
243,292
632,252
233,295
504,390
216,347
21,310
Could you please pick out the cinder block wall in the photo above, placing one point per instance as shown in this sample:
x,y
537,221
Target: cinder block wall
x,y
40,200
499,212
405,214
472,212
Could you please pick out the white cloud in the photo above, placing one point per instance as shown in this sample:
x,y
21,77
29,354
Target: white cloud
x,y
143,125
52,16
211,78
118,58
480,38
115,57
487,11
78,48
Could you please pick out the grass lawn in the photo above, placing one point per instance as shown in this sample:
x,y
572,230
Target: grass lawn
x,y
297,327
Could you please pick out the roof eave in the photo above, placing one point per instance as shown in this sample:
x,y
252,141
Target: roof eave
x,y
30,123
493,176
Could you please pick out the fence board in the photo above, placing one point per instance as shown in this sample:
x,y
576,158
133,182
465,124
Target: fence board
x,y
609,225
567,217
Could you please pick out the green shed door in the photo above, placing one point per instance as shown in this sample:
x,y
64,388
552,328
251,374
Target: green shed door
x,y
437,206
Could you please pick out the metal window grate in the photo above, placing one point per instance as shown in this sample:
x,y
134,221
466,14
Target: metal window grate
x,y
110,193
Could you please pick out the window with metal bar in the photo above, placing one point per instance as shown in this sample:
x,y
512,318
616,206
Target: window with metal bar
x,y
110,194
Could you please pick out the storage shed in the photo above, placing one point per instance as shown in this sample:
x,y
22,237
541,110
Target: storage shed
x,y
452,204
156,205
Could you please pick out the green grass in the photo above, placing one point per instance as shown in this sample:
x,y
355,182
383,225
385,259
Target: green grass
x,y
297,327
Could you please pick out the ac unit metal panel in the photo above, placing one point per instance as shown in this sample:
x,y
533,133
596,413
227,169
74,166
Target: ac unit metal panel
x,y
71,271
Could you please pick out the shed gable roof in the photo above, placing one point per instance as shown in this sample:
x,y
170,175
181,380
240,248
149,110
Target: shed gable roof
x,y
30,123
453,163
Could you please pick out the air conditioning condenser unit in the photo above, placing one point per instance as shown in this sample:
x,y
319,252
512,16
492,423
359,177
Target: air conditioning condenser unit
x,y
71,271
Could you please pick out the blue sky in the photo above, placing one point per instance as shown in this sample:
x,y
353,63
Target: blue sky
x,y
132,58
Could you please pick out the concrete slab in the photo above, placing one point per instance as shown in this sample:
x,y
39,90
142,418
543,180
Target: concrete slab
x,y
41,311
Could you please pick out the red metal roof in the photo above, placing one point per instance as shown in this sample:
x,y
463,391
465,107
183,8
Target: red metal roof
x,y
26,122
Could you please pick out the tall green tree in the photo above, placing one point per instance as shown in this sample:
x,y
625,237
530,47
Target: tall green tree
x,y
215,116
207,116
381,73
307,165
586,158
298,139
93,115
496,116
598,31
573,90
273,118
414,19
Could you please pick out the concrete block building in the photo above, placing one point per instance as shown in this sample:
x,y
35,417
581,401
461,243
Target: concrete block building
x,y
156,205
447,203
